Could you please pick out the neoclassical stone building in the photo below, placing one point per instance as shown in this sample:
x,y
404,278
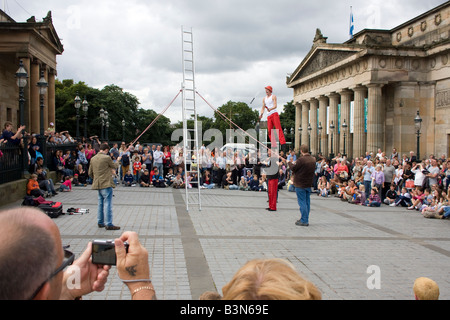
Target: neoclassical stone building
x,y
376,82
37,45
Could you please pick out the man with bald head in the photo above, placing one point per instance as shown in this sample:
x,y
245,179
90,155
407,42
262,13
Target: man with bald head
x,y
32,260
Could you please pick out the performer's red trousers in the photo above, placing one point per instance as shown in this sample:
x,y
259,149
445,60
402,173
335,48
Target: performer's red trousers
x,y
272,187
274,121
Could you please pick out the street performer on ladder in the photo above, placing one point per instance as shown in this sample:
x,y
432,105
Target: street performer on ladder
x,y
273,119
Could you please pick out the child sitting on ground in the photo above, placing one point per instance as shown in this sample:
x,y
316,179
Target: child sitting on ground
x,y
403,199
33,187
262,183
359,197
128,179
243,185
158,180
374,199
417,199
178,182
290,185
144,180
391,195
254,183
170,177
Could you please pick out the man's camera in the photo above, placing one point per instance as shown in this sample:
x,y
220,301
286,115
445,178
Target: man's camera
x,y
104,252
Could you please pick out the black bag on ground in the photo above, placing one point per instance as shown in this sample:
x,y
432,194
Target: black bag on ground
x,y
29,201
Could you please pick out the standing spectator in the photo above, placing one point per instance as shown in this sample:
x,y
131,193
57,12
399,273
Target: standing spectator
x,y
378,178
100,172
433,173
303,171
158,158
388,171
367,171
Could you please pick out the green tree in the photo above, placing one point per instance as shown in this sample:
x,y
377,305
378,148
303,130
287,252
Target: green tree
x,y
239,112
287,120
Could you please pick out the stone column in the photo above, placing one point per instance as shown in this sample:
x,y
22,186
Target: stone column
x,y
305,122
51,97
359,136
46,122
298,124
323,143
375,119
27,91
314,105
346,98
34,98
333,117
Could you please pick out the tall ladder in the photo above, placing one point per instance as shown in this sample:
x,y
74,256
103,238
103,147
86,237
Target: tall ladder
x,y
190,136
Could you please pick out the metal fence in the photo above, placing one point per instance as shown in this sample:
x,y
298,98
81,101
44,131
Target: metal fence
x,y
12,162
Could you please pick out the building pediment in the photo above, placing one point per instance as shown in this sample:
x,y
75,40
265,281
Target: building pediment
x,y
44,30
321,58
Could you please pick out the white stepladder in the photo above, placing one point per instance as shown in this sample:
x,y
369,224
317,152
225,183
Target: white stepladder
x,y
190,135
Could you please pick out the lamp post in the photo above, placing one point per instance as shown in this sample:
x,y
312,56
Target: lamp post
x,y
344,128
123,130
77,107
22,77
300,129
309,136
332,136
43,85
102,118
85,110
418,126
319,130
106,125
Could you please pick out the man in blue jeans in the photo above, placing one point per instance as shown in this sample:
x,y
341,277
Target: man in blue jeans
x,y
303,170
101,171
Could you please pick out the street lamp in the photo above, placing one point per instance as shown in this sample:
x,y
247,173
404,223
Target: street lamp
x,y
309,136
77,107
344,128
332,136
123,130
42,85
418,126
102,118
319,129
85,110
22,76
106,124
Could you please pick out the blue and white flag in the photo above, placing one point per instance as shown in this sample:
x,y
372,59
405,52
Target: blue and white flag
x,y
352,25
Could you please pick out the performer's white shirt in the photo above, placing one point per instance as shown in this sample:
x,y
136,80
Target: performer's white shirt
x,y
269,104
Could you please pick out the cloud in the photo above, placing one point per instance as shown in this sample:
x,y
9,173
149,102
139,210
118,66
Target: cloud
x,y
239,46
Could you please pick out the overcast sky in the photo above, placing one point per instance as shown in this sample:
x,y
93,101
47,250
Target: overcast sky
x,y
240,46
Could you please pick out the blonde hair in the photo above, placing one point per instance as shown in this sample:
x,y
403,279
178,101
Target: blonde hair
x,y
426,289
271,279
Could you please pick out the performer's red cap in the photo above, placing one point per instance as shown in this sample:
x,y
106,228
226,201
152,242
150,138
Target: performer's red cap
x,y
269,88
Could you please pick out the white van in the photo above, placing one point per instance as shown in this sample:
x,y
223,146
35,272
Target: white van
x,y
245,148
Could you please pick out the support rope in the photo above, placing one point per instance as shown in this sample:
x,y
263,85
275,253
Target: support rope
x,y
234,124
156,119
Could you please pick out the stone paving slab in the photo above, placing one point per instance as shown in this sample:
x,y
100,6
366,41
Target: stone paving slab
x,y
191,252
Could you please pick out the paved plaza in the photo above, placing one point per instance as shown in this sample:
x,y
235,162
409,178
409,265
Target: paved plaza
x,y
346,250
